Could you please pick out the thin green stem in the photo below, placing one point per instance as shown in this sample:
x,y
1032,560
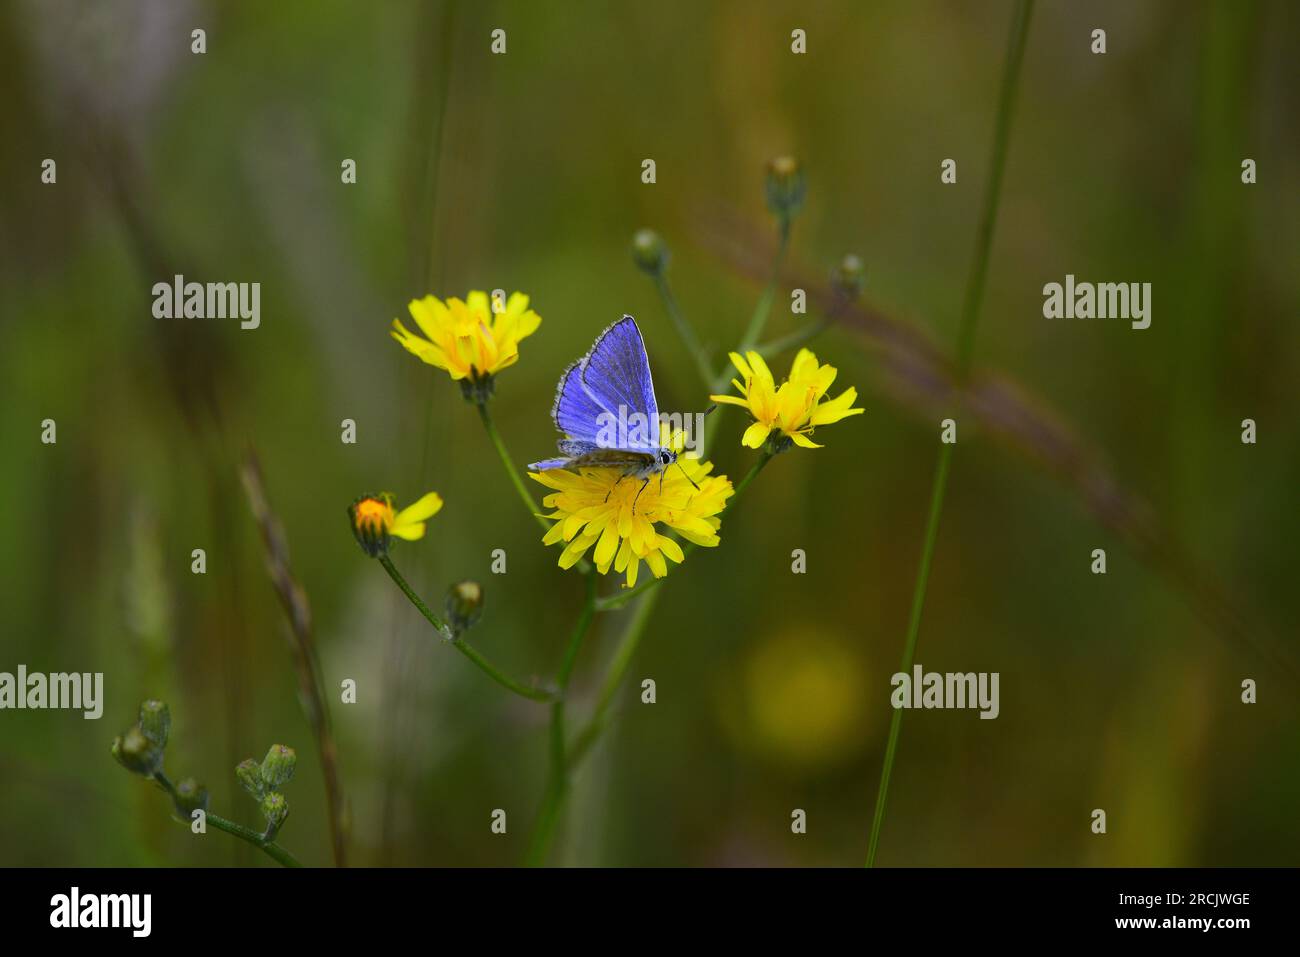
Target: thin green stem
x,y
613,678
684,328
414,599
557,787
614,602
937,492
791,339
763,308
488,668
259,841
516,477
270,848
965,344
500,677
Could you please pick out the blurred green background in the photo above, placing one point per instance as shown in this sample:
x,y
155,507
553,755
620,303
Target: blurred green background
x,y
522,172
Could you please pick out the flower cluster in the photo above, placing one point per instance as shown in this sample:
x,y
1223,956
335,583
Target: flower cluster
x,y
620,514
794,409
264,781
470,339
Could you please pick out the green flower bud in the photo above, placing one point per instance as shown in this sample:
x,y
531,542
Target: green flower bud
x,y
849,277
275,808
190,796
137,753
649,251
249,773
278,765
463,605
786,187
155,722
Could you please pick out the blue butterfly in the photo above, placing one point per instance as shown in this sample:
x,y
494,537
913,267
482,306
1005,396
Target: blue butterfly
x,y
605,406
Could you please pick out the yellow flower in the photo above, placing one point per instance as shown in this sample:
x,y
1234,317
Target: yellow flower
x,y
469,339
796,699
374,519
595,506
796,408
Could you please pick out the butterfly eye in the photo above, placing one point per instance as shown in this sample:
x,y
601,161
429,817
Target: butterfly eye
x,y
664,458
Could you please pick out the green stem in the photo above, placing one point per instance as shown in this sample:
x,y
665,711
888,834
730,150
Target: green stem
x,y
558,780
937,492
684,328
270,848
516,477
613,678
500,677
993,186
491,670
763,307
796,338
965,344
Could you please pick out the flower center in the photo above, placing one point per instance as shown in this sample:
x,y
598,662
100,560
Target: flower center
x,y
374,515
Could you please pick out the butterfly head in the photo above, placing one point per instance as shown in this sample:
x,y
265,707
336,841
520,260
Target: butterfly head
x,y
666,458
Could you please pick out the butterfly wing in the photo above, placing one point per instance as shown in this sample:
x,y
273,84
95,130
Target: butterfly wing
x,y
575,413
576,453
611,458
616,374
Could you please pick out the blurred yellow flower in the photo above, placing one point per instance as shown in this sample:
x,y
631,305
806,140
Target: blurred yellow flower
x,y
469,339
619,514
374,519
797,700
796,408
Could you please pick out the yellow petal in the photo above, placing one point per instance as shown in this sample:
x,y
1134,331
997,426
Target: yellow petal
x,y
575,550
761,372
412,531
802,440
671,549
741,365
430,315
427,507
755,435
420,348
606,548
805,363
517,304
729,400
479,304
658,567
836,409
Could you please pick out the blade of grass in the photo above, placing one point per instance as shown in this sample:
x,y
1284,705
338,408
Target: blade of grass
x,y
965,345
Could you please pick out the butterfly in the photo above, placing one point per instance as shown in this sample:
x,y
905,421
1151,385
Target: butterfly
x,y
605,406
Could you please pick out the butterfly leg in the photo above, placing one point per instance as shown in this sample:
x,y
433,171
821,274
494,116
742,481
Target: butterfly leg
x,y
612,487
644,483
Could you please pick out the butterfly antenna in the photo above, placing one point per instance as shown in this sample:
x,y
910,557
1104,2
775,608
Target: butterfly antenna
x,y
688,475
